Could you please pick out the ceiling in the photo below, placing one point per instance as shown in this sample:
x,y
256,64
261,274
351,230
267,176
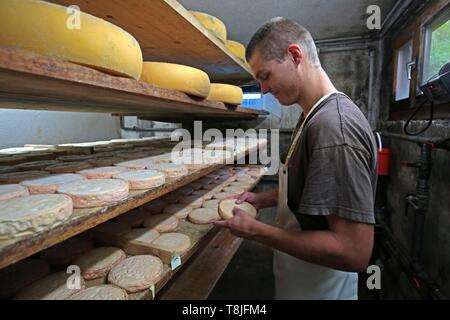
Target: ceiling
x,y
325,19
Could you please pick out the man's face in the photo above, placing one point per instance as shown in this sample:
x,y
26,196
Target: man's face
x,y
275,77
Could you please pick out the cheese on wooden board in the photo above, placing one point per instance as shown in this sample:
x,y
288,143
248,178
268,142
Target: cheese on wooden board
x,y
214,204
142,179
28,215
136,241
192,201
234,190
204,215
75,36
237,48
169,244
180,211
67,167
10,191
226,93
52,287
226,208
95,192
97,262
101,172
51,183
161,222
170,170
102,292
176,77
212,24
222,195
136,273
140,164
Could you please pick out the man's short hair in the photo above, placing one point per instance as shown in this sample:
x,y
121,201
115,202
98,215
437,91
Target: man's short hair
x,y
274,36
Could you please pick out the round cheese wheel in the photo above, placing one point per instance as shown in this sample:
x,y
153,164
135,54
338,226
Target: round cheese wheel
x,y
174,242
142,179
103,292
192,201
51,183
101,172
24,216
226,93
97,262
223,195
170,170
212,24
68,167
10,191
226,208
204,215
81,37
17,177
180,211
237,48
136,273
95,192
213,204
161,222
140,164
20,275
234,190
176,77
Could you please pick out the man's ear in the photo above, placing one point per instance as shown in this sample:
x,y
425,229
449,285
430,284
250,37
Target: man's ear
x,y
295,53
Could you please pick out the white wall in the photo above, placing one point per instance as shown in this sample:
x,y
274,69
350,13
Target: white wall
x,y
18,127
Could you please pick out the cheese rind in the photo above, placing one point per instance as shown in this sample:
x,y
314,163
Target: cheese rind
x,y
10,191
212,24
141,179
75,36
226,208
237,49
51,183
176,77
226,93
25,216
102,292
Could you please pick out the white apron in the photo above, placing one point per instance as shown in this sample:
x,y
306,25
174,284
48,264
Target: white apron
x,y
296,279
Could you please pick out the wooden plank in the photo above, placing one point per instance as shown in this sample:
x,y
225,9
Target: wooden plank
x,y
81,220
167,32
31,81
198,278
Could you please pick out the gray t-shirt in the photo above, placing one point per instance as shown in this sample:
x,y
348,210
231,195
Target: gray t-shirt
x,y
333,169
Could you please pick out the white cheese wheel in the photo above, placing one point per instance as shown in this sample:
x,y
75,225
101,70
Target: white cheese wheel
x,y
226,208
173,242
136,273
234,190
180,211
51,183
226,93
20,275
95,192
103,292
176,77
192,201
212,24
101,172
142,179
213,204
170,170
25,216
140,164
161,222
52,287
94,42
222,195
17,177
10,191
204,215
68,167
97,262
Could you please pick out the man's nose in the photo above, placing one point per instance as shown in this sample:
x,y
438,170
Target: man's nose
x,y
264,88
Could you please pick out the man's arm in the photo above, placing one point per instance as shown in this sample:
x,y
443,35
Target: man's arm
x,y
346,246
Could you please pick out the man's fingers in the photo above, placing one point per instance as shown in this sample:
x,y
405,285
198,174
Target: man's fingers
x,y
241,198
221,223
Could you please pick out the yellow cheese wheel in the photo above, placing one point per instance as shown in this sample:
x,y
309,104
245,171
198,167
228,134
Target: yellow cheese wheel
x,y
226,93
214,25
236,48
52,30
176,77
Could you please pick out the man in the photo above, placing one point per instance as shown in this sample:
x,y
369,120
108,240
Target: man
x,y
324,225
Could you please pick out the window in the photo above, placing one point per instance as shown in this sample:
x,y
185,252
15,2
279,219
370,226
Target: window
x,y
437,45
253,100
404,65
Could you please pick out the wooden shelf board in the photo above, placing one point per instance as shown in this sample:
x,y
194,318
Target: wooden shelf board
x,y
31,81
167,32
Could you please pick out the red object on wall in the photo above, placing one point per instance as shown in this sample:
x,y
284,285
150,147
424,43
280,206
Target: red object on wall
x,y
384,159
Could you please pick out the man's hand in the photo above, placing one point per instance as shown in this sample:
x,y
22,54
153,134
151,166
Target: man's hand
x,y
241,224
249,197
260,200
